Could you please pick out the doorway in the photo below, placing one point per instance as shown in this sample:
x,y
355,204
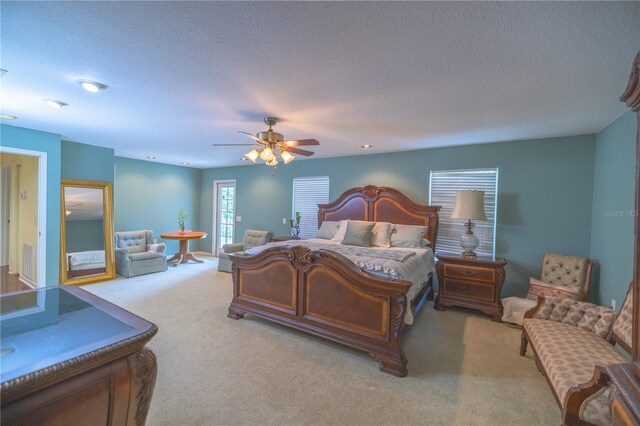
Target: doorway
x,y
224,213
23,194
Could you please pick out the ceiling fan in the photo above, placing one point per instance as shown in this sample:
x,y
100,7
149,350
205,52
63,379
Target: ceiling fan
x,y
270,146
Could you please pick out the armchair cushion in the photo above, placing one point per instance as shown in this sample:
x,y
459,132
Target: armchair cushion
x,y
567,353
232,248
157,248
253,238
586,316
559,269
135,241
145,255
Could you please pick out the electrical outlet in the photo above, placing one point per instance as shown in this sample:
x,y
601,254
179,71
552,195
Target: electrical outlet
x,y
284,220
613,304
238,218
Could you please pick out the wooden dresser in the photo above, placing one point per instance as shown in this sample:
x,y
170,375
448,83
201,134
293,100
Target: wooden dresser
x,y
472,283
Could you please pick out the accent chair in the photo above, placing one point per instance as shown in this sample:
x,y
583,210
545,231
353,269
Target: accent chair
x,y
136,254
252,238
557,270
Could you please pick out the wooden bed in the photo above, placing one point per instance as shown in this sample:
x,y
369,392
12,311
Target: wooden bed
x,y
323,293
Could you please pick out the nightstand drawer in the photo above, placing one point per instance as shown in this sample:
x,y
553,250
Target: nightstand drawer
x,y
470,273
469,290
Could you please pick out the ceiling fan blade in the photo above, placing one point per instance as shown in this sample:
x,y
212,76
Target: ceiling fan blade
x,y
299,151
302,142
262,141
234,144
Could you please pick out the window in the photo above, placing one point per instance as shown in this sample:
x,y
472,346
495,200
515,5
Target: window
x,y
442,192
308,192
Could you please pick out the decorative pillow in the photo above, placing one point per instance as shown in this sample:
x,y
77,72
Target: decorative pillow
x,y
358,233
540,288
328,229
342,229
407,235
380,236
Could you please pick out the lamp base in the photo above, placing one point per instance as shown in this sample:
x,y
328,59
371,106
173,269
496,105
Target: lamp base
x,y
469,254
469,242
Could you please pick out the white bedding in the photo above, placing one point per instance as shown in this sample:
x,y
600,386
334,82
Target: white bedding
x,y
415,267
86,260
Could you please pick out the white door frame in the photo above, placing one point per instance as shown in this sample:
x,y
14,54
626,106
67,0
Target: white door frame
x,y
214,227
41,280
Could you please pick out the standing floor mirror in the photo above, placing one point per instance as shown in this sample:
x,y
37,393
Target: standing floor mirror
x,y
86,232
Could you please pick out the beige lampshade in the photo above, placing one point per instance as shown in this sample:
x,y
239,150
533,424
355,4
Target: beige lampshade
x,y
469,205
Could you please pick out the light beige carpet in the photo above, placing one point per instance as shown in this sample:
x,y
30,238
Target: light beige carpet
x,y
463,368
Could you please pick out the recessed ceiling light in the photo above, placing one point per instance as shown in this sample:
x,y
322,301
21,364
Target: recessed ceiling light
x,y
367,146
8,117
151,157
55,104
92,86
184,163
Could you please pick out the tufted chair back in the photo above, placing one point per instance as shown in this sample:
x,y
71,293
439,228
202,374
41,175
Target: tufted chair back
x,y
253,238
571,271
135,241
623,326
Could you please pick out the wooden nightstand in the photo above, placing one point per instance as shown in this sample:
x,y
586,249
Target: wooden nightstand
x,y
473,283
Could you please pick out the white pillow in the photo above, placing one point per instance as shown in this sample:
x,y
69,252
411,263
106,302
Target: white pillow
x,y
328,230
407,235
342,230
381,235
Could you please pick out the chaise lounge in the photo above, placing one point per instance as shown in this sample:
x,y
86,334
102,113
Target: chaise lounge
x,y
573,342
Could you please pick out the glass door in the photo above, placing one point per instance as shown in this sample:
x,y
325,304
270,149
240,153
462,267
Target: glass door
x,y
225,212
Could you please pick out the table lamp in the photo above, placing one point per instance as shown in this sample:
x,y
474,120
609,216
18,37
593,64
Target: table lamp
x,y
469,206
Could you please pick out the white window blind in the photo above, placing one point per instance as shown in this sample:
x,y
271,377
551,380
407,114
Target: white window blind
x,y
442,192
308,192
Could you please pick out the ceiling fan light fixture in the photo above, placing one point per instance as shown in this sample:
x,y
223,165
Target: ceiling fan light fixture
x,y
92,86
273,162
55,104
267,154
286,157
253,155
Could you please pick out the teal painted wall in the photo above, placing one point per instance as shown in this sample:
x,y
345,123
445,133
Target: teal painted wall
x,y
545,193
613,208
84,235
149,195
88,162
16,137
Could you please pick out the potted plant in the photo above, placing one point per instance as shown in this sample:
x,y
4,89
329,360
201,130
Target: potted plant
x,y
294,224
182,216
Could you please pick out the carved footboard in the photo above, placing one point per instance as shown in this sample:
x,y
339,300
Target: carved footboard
x,y
325,294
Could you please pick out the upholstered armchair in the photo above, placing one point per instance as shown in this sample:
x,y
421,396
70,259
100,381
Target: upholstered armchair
x,y
560,274
252,238
136,254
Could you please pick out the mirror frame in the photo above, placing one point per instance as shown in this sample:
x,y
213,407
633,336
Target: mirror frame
x,y
107,208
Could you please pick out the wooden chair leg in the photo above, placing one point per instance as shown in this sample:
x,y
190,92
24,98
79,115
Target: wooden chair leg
x,y
523,344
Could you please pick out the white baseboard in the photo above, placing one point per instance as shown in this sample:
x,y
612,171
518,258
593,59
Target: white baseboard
x,y
27,282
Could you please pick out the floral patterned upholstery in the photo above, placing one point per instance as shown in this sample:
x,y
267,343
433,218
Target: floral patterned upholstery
x,y
568,354
597,408
586,316
559,269
623,326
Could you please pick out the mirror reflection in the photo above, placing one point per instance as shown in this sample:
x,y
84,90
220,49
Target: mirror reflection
x,y
86,249
84,226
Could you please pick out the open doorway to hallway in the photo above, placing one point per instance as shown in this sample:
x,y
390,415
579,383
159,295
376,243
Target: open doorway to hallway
x,y
21,235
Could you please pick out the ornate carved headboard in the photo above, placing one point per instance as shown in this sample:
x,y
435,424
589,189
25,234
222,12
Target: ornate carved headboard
x,y
381,204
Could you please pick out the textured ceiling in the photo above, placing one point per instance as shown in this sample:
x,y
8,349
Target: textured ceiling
x,y
400,76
